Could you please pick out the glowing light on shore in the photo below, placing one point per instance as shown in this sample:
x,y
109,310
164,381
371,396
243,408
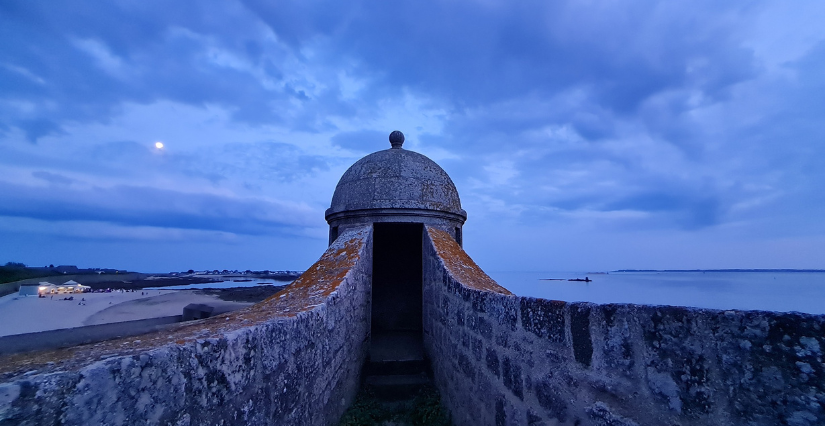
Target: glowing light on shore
x,y
159,145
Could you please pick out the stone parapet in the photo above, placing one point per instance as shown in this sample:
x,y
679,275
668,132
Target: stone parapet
x,y
500,359
293,359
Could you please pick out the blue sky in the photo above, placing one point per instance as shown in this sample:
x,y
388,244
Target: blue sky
x,y
582,135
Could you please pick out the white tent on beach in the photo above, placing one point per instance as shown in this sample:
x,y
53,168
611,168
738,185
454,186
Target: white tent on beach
x,y
70,286
46,287
73,286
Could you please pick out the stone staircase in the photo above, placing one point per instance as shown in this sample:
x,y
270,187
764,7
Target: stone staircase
x,y
396,370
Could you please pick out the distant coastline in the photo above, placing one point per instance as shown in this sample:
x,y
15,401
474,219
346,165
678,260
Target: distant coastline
x,y
720,270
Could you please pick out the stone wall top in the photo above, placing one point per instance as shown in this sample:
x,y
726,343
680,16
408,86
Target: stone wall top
x,y
312,289
319,281
460,265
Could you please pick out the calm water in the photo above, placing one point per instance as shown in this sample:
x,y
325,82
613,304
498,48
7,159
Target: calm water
x,y
225,284
772,291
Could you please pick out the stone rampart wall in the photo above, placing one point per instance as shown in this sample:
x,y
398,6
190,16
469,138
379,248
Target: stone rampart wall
x,y
293,359
501,359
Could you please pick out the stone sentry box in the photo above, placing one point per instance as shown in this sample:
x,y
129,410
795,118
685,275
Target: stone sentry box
x,y
398,192
395,186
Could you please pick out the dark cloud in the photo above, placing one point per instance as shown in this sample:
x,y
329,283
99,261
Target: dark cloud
x,y
142,206
463,54
468,53
37,128
688,211
53,178
271,161
78,62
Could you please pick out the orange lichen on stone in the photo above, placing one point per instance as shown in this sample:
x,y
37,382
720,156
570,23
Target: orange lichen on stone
x,y
319,281
460,265
311,289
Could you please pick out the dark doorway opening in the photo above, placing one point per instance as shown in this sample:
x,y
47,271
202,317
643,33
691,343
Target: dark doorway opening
x,y
397,369
396,292
396,277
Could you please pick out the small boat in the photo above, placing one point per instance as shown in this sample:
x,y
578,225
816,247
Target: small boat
x,y
585,280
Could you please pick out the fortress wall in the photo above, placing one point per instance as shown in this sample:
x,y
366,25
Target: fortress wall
x,y
293,359
503,359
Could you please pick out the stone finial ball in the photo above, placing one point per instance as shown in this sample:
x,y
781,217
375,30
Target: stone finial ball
x,y
396,139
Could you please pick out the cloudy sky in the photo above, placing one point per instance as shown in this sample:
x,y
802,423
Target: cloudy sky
x,y
582,135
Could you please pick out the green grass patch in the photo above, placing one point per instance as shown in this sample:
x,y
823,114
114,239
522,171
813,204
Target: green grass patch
x,y
424,410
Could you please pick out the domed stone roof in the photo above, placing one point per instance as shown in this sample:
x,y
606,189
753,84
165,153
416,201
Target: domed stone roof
x,y
395,179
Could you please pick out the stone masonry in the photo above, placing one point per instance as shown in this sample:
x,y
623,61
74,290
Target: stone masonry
x,y
500,359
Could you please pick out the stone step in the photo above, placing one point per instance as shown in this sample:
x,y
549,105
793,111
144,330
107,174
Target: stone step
x,y
396,346
396,387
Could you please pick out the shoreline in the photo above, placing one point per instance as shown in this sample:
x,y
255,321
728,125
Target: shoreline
x,y
30,314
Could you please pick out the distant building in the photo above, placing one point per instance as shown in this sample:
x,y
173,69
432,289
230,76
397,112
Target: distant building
x,y
66,269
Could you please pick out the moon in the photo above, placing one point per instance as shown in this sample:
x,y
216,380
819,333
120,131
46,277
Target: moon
x,y
159,145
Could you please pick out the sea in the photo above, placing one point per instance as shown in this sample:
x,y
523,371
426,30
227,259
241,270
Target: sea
x,y
768,290
227,283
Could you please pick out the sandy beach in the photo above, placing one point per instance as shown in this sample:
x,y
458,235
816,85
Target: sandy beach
x,y
19,314
168,303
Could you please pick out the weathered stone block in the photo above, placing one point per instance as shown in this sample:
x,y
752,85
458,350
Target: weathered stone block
x,y
501,415
492,362
477,348
580,331
544,318
466,366
549,398
511,377
601,415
